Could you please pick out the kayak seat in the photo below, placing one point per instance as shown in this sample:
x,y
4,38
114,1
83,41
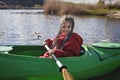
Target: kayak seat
x,y
82,51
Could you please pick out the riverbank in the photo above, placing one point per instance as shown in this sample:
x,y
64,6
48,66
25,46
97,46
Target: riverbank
x,y
99,9
61,8
114,14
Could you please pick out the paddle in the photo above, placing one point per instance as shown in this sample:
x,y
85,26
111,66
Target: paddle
x,y
63,69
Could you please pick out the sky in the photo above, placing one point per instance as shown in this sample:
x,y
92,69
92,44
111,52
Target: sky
x,y
83,1
92,1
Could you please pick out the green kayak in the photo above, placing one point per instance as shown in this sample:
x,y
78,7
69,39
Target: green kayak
x,y
21,62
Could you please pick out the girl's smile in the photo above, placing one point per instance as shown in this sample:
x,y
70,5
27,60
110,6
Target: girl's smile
x,y
65,27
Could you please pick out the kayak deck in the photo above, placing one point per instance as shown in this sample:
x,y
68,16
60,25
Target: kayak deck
x,y
22,62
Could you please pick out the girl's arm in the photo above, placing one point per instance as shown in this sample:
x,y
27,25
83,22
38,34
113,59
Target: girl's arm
x,y
71,48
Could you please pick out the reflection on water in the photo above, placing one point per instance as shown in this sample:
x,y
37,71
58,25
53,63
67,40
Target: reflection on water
x,y
98,29
18,27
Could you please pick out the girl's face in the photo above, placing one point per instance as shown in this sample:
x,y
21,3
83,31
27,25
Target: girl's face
x,y
65,27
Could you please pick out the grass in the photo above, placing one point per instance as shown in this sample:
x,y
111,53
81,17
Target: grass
x,y
55,7
60,8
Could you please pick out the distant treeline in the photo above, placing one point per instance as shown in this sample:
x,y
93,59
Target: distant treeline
x,y
23,3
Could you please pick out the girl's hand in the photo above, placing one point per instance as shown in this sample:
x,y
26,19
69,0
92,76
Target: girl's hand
x,y
51,51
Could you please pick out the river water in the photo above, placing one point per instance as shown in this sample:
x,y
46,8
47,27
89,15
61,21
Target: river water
x,y
18,27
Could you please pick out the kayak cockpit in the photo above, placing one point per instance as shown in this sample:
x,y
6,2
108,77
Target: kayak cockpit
x,y
82,51
28,50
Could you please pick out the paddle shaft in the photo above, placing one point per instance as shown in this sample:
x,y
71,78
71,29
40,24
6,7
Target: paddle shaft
x,y
53,56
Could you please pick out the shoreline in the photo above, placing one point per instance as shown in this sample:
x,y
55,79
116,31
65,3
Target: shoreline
x,y
75,9
114,14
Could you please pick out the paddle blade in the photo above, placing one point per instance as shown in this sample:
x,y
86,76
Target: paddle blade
x,y
67,75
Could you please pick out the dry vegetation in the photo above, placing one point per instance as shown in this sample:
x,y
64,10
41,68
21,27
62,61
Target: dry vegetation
x,y
59,8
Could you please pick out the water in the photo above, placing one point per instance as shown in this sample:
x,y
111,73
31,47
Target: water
x,y
18,26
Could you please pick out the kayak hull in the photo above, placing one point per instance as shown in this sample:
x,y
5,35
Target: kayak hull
x,y
22,62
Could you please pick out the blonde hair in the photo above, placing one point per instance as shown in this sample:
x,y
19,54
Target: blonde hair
x,y
63,19
69,19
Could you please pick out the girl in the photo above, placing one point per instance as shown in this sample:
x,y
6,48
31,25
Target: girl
x,y
67,43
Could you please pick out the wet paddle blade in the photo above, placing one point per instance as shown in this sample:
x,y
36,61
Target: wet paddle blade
x,y
67,75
